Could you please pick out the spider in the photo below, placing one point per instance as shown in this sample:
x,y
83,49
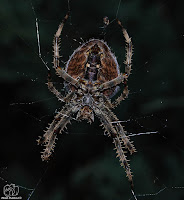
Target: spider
x,y
92,77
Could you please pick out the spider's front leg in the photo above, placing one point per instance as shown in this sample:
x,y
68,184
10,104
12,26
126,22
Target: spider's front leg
x,y
117,140
128,67
63,74
56,42
56,46
59,123
129,50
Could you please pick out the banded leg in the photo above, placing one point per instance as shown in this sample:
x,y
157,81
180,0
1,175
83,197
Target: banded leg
x,y
46,136
63,74
116,140
128,66
56,42
56,46
57,126
52,88
119,128
56,92
122,97
112,83
109,84
118,100
123,160
129,51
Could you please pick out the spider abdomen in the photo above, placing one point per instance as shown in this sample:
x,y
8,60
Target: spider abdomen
x,y
94,61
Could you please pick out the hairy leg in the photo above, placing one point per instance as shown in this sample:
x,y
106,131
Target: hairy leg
x,y
122,97
117,140
56,92
59,123
56,42
118,100
63,74
119,128
129,51
56,46
128,67
53,89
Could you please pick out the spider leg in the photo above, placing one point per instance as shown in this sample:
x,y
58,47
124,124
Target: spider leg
x,y
112,83
56,42
52,88
122,133
117,140
58,124
56,46
122,97
128,64
123,160
129,51
56,92
118,100
63,74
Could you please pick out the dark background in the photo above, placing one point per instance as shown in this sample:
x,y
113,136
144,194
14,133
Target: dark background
x,y
84,166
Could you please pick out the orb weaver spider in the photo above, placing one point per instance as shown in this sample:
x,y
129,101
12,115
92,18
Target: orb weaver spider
x,y
92,76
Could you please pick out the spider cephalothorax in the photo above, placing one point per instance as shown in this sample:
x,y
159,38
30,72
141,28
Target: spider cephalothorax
x,y
91,77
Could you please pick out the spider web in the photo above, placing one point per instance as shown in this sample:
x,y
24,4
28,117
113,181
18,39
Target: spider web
x,y
84,165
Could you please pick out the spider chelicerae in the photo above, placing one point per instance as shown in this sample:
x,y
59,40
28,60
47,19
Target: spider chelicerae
x,y
91,76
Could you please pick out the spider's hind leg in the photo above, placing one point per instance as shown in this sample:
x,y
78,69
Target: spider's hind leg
x,y
120,130
57,126
117,140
